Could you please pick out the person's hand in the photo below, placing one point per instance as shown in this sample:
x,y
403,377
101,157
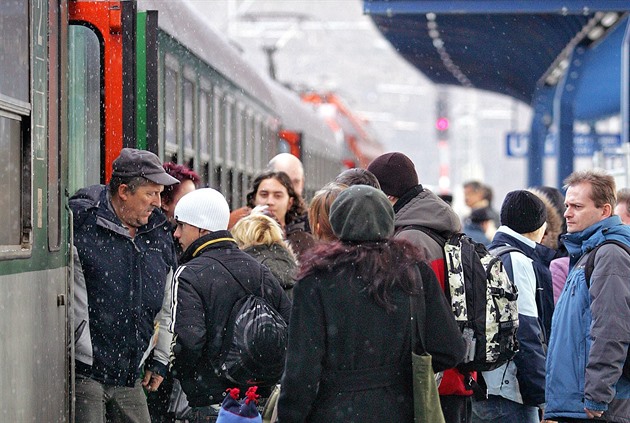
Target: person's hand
x,y
593,414
151,381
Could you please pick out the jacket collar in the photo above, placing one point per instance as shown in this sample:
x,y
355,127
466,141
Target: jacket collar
x,y
407,197
532,249
213,240
579,243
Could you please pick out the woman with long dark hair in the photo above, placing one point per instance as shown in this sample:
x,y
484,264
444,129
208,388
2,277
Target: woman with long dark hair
x,y
275,191
349,353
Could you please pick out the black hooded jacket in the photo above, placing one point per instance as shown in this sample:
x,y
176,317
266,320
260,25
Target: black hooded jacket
x,y
205,294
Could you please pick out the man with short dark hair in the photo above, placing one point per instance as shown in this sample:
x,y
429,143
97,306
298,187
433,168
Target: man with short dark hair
x,y
415,205
124,255
516,390
591,330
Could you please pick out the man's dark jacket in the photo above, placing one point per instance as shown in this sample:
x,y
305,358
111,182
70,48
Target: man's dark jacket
x,y
125,279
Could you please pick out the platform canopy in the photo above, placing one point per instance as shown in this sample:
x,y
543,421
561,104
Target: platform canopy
x,y
508,47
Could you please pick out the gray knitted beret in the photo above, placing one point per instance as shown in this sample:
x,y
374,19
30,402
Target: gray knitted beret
x,y
362,213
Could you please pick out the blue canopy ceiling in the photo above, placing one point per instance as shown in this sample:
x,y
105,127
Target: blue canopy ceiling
x,y
507,47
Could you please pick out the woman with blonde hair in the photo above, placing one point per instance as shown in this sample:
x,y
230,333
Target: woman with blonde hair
x,y
261,237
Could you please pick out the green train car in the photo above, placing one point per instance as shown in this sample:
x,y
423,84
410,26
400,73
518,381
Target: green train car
x,y
34,266
80,80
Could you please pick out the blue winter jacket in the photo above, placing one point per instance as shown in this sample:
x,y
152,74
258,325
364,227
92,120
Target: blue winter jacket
x,y
591,329
522,380
126,283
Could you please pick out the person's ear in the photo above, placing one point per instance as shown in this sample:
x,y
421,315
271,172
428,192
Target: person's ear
x,y
124,192
607,210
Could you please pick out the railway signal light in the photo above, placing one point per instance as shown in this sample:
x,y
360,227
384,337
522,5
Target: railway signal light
x,y
441,124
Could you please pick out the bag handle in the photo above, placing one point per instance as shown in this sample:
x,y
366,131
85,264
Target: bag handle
x,y
418,318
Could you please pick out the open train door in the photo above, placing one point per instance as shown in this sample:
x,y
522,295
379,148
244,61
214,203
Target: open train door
x,y
102,87
293,142
101,102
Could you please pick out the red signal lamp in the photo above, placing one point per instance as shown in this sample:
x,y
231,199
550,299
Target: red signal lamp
x,y
441,124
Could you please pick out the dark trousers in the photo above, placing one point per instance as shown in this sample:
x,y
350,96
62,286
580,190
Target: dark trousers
x,y
456,408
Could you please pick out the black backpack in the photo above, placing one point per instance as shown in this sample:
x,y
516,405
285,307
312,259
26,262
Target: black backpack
x,y
588,272
483,300
255,341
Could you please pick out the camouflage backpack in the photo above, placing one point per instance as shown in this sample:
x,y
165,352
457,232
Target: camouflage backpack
x,y
483,299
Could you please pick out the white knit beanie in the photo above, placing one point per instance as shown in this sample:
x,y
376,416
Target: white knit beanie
x,y
204,208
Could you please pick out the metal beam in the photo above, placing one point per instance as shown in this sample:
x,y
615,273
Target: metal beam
x,y
564,103
543,111
625,99
564,7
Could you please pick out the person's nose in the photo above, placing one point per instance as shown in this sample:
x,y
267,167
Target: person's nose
x,y
177,234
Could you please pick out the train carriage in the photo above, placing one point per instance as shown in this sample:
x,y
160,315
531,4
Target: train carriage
x,y
80,80
34,271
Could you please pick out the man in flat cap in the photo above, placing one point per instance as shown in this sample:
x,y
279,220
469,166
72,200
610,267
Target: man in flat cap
x,y
124,255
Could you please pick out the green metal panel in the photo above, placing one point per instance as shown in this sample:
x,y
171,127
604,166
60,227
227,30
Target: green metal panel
x,y
141,80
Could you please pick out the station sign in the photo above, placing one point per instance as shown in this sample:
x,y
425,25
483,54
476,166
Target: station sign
x,y
584,145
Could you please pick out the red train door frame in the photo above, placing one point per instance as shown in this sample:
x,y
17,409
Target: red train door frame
x,y
114,24
294,139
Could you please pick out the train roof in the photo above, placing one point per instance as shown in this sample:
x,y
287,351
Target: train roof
x,y
298,116
182,22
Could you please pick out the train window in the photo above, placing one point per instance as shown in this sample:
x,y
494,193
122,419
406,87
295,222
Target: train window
x,y
188,114
283,146
229,128
205,119
204,141
14,37
216,179
170,110
241,196
10,173
15,112
227,189
258,144
249,142
220,113
239,133
84,107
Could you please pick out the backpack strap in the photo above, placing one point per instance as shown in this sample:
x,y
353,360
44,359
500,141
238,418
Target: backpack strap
x,y
504,249
430,232
439,239
590,261
249,291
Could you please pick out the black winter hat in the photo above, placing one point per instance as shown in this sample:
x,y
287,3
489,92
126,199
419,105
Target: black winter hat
x,y
362,213
523,212
395,172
